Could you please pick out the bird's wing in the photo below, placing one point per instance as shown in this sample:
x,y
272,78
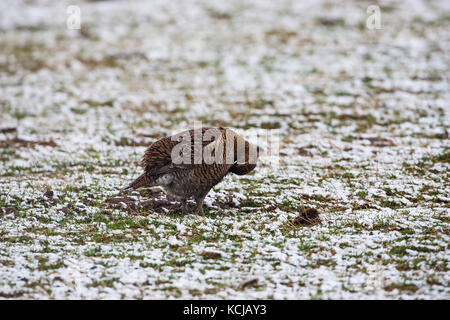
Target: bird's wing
x,y
156,171
158,159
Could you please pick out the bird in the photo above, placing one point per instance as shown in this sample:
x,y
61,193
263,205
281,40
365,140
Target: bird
x,y
188,164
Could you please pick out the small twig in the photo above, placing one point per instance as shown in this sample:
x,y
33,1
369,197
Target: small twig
x,y
248,283
8,130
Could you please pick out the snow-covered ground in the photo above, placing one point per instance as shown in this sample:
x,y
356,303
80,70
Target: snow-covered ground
x,y
362,118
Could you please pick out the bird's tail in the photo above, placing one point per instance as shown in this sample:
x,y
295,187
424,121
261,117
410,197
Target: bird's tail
x,y
139,182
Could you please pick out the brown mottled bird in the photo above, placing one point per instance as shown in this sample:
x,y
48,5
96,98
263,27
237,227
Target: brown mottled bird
x,y
190,163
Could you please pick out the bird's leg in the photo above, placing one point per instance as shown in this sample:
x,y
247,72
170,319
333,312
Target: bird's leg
x,y
184,205
199,201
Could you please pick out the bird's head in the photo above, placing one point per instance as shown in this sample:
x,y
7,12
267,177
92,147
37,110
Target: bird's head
x,y
246,155
245,151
